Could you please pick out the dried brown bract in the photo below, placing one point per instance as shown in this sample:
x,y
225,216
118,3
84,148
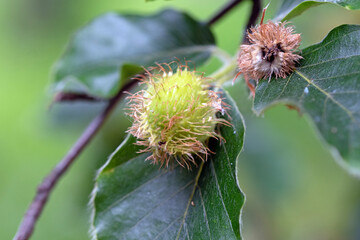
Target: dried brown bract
x,y
271,52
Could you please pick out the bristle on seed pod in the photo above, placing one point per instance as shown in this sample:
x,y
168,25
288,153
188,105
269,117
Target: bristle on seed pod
x,y
175,115
271,52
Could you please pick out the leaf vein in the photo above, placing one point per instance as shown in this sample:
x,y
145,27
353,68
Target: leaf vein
x,y
345,92
190,199
205,214
283,90
228,161
264,92
348,112
187,232
160,204
134,190
333,40
303,94
338,76
220,194
331,60
171,223
114,61
323,120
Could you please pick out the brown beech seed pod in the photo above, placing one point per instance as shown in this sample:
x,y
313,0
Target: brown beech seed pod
x,y
271,52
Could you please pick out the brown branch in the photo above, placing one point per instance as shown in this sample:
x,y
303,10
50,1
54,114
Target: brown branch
x,y
255,12
69,97
27,225
223,11
44,189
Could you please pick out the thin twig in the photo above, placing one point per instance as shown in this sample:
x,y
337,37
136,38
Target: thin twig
x,y
255,12
44,189
223,11
71,97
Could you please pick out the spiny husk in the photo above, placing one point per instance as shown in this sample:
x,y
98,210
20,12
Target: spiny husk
x,y
270,39
175,116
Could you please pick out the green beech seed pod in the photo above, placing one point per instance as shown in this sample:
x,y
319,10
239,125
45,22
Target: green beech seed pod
x,y
175,116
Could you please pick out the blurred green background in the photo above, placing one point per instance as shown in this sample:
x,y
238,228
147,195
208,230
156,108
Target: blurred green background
x,y
294,188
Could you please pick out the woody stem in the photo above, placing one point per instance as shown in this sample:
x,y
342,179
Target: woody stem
x,y
31,216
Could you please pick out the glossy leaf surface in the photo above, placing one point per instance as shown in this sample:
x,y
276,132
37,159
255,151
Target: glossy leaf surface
x,y
96,58
292,8
326,86
136,200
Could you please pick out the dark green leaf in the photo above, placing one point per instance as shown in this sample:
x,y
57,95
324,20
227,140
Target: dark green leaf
x,y
101,51
326,86
292,8
136,200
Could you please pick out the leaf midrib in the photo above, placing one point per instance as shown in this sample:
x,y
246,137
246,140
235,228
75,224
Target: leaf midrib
x,y
190,199
192,196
